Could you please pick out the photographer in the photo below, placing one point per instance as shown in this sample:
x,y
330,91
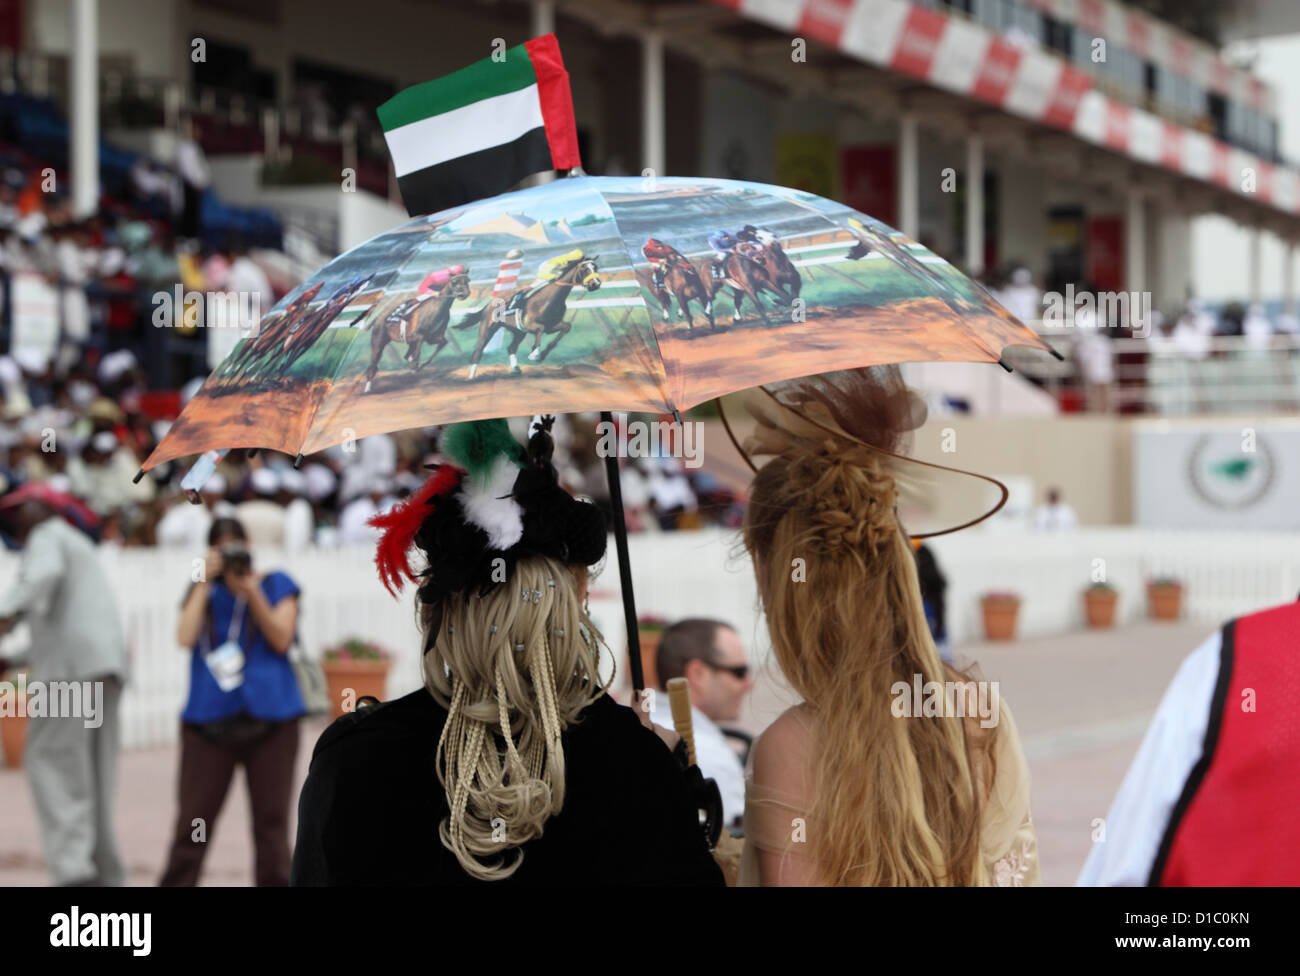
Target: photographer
x,y
243,706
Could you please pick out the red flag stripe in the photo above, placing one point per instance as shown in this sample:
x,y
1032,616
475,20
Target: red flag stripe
x,y
556,100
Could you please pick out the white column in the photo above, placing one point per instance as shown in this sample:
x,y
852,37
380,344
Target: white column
x,y
1288,277
1135,243
84,96
652,102
974,204
908,177
1256,271
271,133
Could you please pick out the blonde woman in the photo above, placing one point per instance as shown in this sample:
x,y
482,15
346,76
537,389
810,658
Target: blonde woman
x,y
849,788
511,764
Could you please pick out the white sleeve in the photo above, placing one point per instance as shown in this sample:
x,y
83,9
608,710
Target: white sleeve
x,y
1173,744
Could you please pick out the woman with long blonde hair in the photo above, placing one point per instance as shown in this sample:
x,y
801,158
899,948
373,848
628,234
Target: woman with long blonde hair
x,y
853,786
511,764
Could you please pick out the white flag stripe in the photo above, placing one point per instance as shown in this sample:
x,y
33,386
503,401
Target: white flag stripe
x,y
469,129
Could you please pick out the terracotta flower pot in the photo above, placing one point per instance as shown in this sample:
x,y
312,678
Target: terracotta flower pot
x,y
1164,600
359,677
13,734
1099,606
1000,617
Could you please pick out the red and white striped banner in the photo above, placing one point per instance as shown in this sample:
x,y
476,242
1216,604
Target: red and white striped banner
x,y
966,58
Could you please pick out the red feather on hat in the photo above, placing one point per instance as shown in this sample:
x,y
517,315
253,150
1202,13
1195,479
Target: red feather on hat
x,y
400,524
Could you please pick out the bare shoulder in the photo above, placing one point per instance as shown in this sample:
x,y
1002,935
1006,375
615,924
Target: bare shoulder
x,y
781,752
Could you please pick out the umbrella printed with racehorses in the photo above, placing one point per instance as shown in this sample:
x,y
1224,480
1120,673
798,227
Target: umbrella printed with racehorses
x,y
587,293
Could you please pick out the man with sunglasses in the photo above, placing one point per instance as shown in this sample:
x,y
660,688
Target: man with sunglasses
x,y
710,656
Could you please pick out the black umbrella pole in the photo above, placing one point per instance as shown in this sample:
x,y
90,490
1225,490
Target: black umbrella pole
x,y
624,564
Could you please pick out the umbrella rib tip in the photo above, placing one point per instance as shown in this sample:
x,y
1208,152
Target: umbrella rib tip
x,y
138,475
1004,365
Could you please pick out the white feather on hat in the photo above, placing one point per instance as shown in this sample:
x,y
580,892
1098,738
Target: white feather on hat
x,y
488,503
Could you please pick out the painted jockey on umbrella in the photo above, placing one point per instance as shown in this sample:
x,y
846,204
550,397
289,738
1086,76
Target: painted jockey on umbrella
x,y
660,255
724,243
432,285
757,235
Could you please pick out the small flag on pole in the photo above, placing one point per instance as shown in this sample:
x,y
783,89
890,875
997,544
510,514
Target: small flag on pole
x,y
479,131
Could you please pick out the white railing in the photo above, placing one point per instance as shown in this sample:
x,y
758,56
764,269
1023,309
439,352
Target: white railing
x,y
1228,374
700,574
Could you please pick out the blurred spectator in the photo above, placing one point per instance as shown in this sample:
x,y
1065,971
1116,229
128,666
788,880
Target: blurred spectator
x,y
243,708
934,586
261,515
186,525
1192,332
1022,298
1055,515
65,599
353,527
192,167
1096,358
710,655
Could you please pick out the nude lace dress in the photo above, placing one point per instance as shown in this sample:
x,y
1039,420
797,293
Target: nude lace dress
x,y
1007,837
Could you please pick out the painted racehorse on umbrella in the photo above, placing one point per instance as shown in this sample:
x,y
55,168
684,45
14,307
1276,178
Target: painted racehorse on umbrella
x,y
765,248
304,335
675,276
536,310
734,268
419,319
271,334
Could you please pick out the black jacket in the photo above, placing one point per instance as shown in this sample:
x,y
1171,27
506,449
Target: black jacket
x,y
371,806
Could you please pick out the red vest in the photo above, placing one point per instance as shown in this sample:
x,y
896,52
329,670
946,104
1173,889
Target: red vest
x,y
1238,819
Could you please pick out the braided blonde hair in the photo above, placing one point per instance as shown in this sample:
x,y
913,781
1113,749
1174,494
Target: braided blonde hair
x,y
896,801
513,668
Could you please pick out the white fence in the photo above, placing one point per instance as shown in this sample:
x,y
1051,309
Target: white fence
x,y
704,574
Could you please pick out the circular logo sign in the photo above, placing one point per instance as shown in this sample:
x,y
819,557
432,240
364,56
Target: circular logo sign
x,y
1226,475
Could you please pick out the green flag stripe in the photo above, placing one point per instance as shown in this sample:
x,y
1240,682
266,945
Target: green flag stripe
x,y
480,80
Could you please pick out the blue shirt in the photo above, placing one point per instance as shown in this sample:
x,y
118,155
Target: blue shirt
x,y
270,689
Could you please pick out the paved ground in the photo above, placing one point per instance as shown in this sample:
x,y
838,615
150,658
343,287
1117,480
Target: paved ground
x,y
1081,702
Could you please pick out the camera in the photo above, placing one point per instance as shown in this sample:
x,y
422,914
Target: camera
x,y
236,559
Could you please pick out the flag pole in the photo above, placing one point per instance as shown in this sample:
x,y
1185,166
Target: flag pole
x,y
624,566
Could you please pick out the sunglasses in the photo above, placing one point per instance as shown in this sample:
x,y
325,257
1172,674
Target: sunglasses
x,y
740,672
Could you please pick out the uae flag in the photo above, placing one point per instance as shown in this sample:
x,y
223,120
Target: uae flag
x,y
479,131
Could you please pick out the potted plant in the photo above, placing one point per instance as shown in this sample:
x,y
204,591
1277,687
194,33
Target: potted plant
x,y
1099,604
353,669
1000,612
13,719
1164,598
650,629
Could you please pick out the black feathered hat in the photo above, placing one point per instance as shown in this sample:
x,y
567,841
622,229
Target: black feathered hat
x,y
497,502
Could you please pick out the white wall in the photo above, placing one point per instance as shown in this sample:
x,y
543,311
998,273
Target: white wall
x,y
702,574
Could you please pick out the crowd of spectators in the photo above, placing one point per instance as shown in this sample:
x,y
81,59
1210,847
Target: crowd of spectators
x,y
86,432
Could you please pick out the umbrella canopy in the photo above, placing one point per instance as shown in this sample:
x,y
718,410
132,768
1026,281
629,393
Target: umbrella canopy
x,y
587,293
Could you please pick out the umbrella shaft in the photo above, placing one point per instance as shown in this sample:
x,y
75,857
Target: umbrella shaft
x,y
624,566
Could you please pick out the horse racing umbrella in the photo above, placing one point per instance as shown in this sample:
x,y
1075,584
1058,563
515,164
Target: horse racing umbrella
x,y
587,293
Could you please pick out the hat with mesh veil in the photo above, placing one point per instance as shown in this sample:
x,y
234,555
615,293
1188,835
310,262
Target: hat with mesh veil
x,y
867,407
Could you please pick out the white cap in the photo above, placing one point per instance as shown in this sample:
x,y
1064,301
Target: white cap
x,y
264,481
115,364
10,374
320,481
32,360
292,480
215,485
